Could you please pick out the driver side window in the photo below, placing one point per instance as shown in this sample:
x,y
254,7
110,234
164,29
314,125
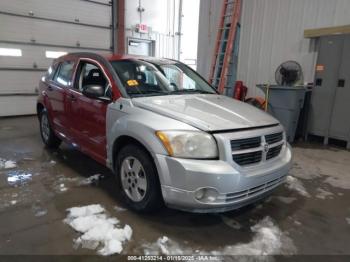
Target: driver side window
x,y
91,74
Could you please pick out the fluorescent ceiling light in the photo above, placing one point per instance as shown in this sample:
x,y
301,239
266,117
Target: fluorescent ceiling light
x,y
10,52
54,54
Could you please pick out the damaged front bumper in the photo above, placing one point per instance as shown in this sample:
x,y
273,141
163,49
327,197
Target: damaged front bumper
x,y
216,185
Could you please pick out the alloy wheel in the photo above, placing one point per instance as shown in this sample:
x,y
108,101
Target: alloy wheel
x,y
133,178
45,127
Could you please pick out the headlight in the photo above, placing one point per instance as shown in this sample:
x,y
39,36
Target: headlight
x,y
188,144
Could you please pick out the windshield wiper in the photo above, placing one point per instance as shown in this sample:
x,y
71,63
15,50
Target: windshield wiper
x,y
148,93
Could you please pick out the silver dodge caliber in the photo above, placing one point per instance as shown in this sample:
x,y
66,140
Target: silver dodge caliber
x,y
166,133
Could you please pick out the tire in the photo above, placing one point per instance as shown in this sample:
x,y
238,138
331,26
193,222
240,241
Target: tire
x,y
47,134
138,180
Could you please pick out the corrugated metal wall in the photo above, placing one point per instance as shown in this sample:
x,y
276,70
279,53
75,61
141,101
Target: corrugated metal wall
x,y
161,16
271,33
209,14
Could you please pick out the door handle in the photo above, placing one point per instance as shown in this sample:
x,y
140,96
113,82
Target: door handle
x,y
72,97
49,88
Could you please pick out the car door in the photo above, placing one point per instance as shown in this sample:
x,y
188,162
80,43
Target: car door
x,y
87,116
56,93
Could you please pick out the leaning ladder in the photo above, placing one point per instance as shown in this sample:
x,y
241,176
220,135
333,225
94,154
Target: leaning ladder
x,y
224,45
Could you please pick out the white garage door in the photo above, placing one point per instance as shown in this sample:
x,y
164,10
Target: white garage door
x,y
32,32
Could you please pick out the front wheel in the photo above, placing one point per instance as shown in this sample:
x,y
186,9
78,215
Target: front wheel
x,y
138,179
47,134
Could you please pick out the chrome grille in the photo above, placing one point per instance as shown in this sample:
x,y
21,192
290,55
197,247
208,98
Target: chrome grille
x,y
273,152
247,158
249,151
274,138
245,143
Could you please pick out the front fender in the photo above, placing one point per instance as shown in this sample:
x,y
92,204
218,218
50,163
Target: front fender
x,y
124,119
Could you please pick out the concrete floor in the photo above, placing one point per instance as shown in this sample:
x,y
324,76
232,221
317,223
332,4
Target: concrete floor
x,y
309,215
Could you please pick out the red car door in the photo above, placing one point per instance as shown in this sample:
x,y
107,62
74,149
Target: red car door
x,y
87,116
56,93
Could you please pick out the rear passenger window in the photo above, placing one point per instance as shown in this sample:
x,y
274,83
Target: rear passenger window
x,y
51,71
64,74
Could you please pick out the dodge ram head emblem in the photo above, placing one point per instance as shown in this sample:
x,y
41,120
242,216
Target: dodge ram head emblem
x,y
266,147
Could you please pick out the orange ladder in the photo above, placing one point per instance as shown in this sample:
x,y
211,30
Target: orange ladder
x,y
224,45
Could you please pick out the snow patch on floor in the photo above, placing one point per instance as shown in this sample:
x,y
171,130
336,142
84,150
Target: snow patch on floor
x,y
40,213
268,239
97,229
285,200
298,223
17,178
295,184
63,188
339,181
347,220
91,179
166,246
38,210
7,164
119,209
324,194
313,163
62,184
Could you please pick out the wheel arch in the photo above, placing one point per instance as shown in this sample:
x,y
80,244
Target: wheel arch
x,y
122,141
156,199
39,108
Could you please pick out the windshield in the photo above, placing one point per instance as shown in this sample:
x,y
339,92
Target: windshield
x,y
142,78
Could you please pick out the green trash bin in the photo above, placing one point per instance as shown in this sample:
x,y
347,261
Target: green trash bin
x,y
285,103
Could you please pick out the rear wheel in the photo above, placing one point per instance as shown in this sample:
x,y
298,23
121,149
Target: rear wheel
x,y
47,134
138,179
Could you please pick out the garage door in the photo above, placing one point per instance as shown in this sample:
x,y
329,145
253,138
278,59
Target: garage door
x,y
34,32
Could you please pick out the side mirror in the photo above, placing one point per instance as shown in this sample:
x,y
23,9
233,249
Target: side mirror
x,y
95,92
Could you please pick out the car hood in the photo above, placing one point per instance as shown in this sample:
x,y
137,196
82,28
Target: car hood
x,y
206,112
